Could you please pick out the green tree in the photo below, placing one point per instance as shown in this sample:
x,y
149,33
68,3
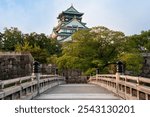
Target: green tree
x,y
92,48
23,48
140,42
133,62
38,54
11,37
135,45
44,42
1,41
40,46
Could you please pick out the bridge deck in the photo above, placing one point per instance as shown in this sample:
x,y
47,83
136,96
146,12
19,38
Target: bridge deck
x,y
77,91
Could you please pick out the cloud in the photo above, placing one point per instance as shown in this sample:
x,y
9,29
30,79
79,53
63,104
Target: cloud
x,y
129,16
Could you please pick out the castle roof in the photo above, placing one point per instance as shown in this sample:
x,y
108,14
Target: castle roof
x,y
70,11
76,22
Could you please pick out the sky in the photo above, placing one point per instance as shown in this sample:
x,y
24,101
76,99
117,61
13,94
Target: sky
x,y
128,16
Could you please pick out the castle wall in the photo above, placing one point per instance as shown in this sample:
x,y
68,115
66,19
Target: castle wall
x,y
13,65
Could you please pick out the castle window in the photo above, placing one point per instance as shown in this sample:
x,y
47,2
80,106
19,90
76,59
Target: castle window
x,y
72,31
65,30
69,27
66,19
74,26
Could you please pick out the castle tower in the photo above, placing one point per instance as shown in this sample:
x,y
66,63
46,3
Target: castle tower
x,y
69,21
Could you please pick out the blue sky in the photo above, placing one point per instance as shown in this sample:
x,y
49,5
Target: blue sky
x,y
128,16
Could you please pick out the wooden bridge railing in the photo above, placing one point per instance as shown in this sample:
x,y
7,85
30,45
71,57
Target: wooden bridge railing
x,y
127,87
26,87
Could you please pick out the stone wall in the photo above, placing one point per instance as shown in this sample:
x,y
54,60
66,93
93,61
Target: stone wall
x,y
73,76
13,65
146,66
48,69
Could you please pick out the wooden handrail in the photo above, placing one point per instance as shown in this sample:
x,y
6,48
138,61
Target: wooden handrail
x,y
16,87
128,87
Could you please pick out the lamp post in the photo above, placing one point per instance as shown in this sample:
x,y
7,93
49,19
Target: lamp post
x,y
36,70
120,67
97,71
56,71
120,70
50,68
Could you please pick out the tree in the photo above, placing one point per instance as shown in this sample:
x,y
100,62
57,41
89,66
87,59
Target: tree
x,y
140,42
135,45
98,47
92,48
145,37
44,42
133,62
1,41
23,48
38,54
11,37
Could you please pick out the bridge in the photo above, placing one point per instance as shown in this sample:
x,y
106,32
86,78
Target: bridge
x,y
51,87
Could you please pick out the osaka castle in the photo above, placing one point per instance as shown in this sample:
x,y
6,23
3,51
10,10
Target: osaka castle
x,y
69,21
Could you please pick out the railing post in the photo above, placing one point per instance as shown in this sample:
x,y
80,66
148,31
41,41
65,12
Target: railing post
x,y
125,87
119,70
137,85
146,96
96,78
117,82
19,83
1,90
37,75
1,86
97,73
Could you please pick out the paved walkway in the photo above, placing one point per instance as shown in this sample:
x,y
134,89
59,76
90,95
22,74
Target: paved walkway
x,y
77,91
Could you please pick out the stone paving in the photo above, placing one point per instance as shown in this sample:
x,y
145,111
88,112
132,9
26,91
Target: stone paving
x,y
77,92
